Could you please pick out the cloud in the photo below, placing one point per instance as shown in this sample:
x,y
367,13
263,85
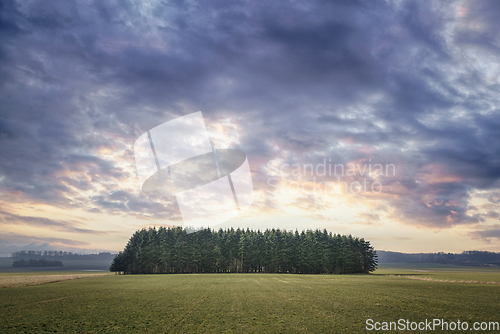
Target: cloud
x,y
407,83
477,23
58,225
123,202
15,237
488,234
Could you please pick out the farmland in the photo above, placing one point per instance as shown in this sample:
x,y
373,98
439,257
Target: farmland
x,y
243,303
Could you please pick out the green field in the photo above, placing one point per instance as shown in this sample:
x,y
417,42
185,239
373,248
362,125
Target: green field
x,y
251,303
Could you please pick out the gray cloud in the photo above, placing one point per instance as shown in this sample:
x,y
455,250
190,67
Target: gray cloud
x,y
58,225
15,237
488,234
301,79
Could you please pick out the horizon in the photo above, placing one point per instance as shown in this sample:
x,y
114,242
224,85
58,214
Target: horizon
x,y
46,247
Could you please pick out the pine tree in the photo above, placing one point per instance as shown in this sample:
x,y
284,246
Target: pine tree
x,y
173,250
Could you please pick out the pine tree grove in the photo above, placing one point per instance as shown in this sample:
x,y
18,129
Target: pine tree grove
x,y
173,250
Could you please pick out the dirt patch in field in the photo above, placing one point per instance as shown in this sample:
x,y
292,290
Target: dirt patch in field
x,y
18,281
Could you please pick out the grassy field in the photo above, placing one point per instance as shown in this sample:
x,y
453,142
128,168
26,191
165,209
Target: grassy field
x,y
247,303
37,279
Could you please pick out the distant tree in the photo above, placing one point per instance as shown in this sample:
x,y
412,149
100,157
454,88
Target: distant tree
x,y
37,263
61,255
469,258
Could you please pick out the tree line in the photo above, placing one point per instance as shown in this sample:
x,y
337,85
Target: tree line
x,y
174,250
31,254
37,263
466,258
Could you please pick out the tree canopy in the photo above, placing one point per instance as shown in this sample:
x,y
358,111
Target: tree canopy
x,y
466,258
174,250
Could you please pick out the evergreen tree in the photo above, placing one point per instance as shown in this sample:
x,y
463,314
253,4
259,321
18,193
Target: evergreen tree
x,y
173,250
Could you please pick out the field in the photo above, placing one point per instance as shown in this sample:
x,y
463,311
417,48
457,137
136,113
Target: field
x,y
252,303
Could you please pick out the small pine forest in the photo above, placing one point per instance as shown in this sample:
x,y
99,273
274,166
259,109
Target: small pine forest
x,y
174,250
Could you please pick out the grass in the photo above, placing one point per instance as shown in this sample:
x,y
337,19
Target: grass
x,y
242,303
27,280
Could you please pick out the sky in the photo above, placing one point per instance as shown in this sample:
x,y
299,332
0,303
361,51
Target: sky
x,y
404,95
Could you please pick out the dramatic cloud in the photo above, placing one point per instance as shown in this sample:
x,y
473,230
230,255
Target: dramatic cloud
x,y
405,83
